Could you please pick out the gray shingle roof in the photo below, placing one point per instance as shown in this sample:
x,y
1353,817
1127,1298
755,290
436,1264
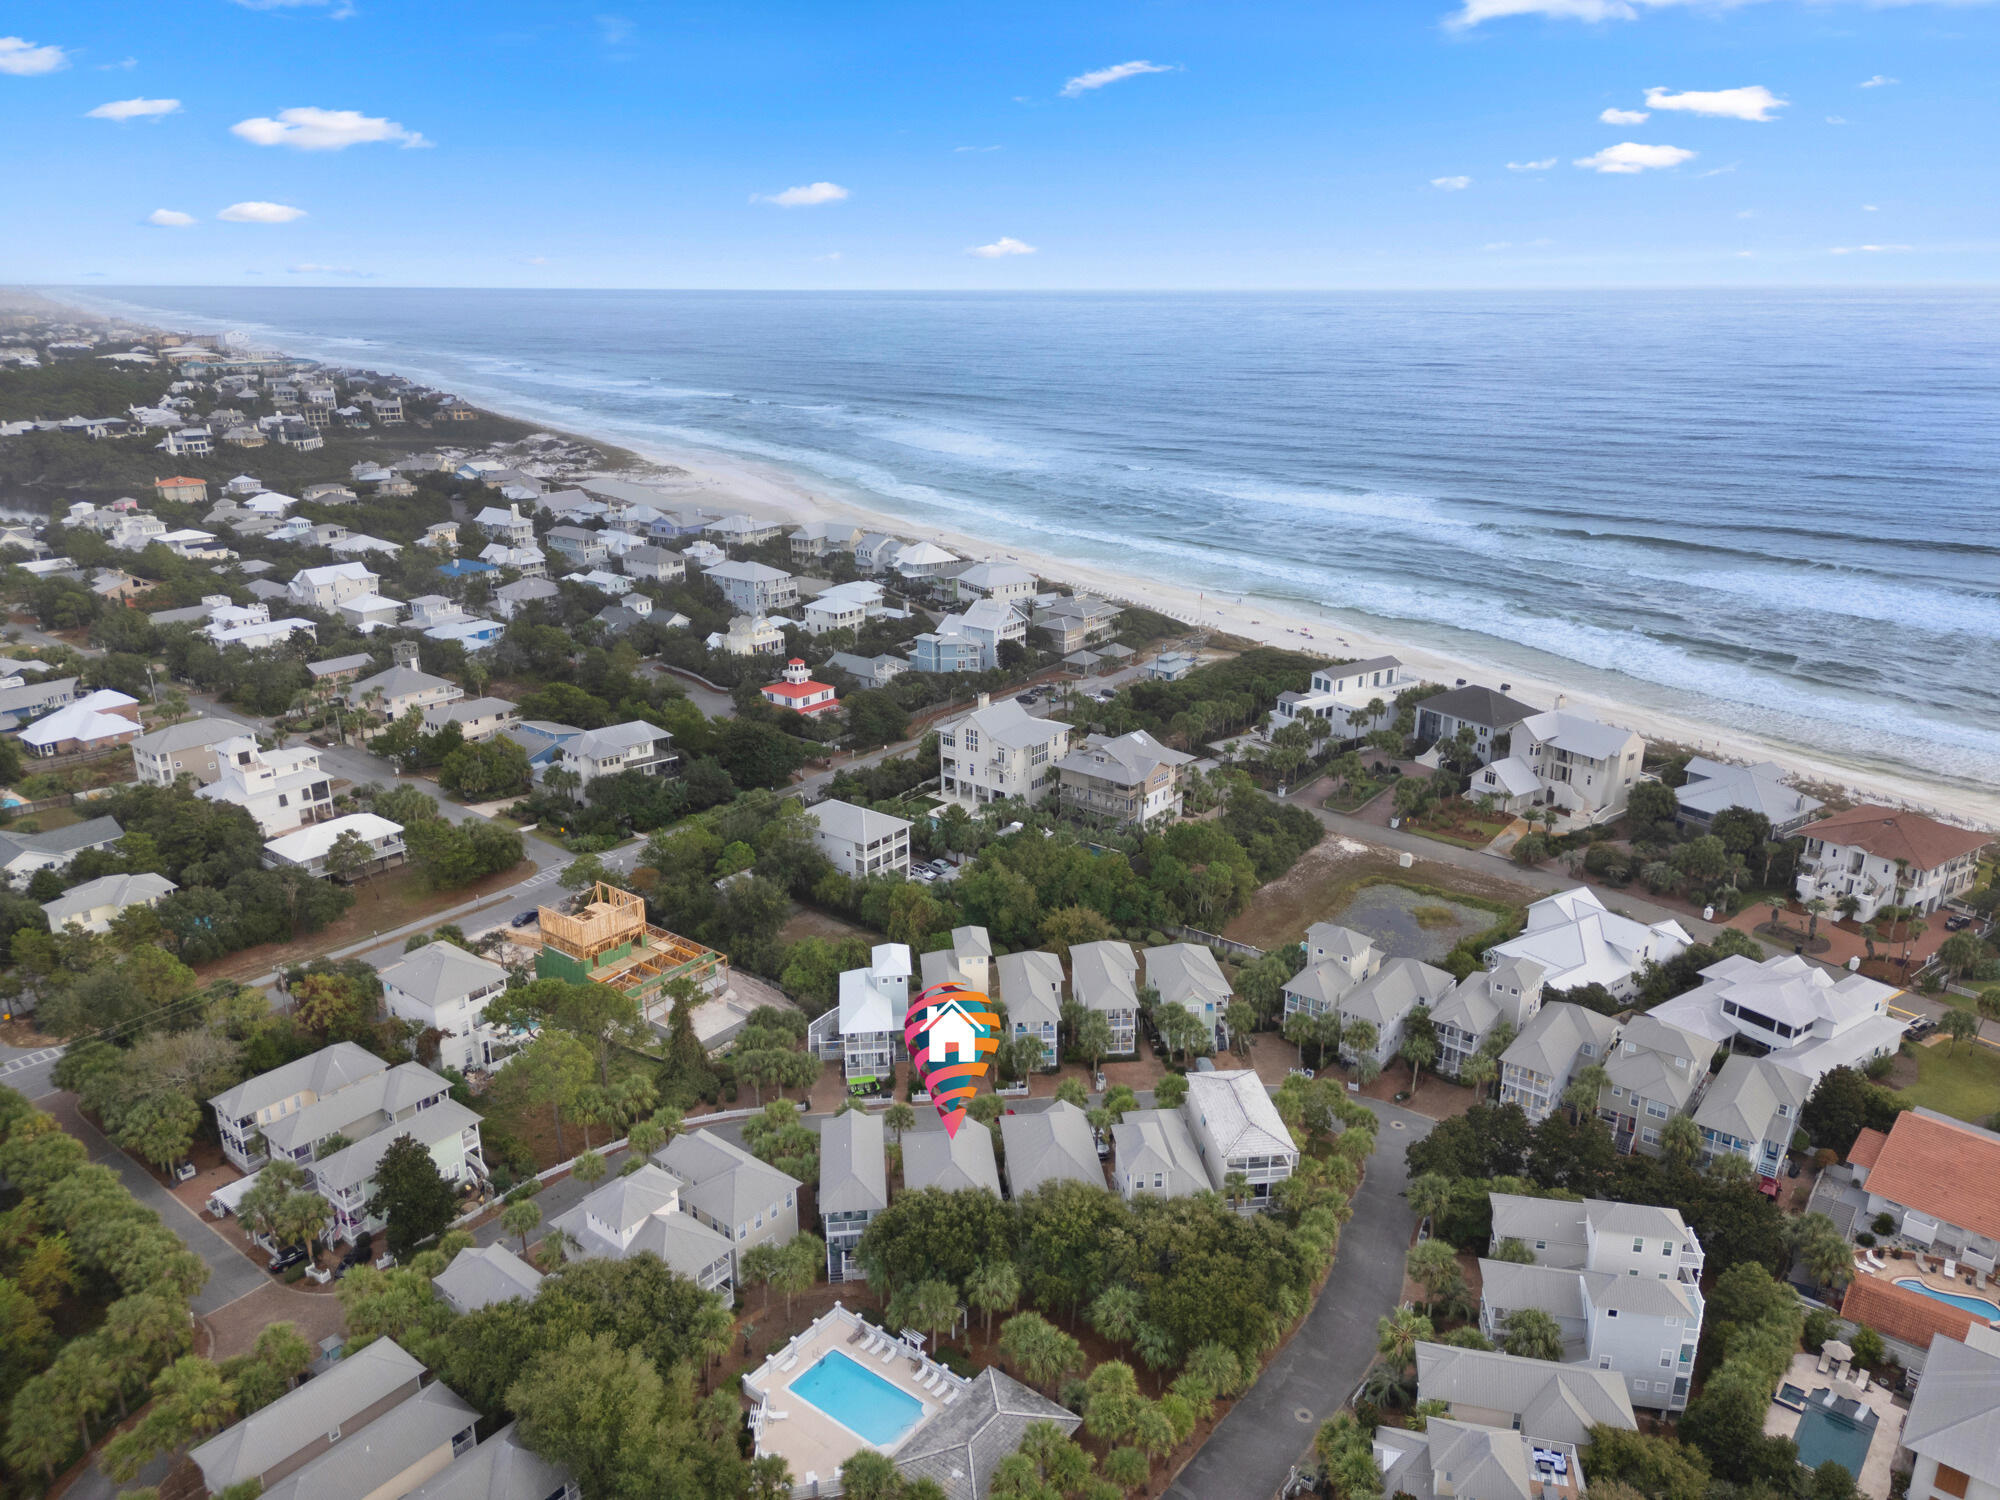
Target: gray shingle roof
x,y
120,891
1031,987
722,1179
369,1458
1477,705
1102,975
932,1158
266,1438
70,840
1560,1402
321,1072
1955,1416
960,1446
1052,1146
438,972
501,1468
853,1172
1551,1040
486,1274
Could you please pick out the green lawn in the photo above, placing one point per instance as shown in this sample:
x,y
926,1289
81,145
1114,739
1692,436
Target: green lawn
x,y
1963,1082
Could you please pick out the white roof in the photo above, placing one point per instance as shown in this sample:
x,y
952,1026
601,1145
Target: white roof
x,y
88,718
1516,777
1577,941
1578,735
313,841
118,891
1238,1113
877,998
1009,724
314,577
1713,785
861,825
917,554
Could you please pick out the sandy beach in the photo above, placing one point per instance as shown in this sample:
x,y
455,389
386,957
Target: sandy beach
x,y
725,481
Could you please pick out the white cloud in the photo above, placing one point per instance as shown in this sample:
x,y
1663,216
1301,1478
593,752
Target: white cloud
x,y
1499,245
975,148
310,129
134,109
169,218
1753,103
1878,82
830,255
1719,171
1836,119
538,260
1083,83
615,30
1624,117
1541,165
1628,157
24,59
1868,249
1869,208
255,212
808,195
1005,245
1451,184
1746,254
309,268
130,62
1746,213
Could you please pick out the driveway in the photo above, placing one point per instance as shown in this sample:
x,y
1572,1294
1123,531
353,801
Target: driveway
x,y
1251,1452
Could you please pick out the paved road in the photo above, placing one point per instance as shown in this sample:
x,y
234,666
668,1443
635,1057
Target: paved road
x,y
1250,1453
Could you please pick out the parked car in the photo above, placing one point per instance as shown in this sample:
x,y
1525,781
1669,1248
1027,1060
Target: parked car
x,y
1957,924
1029,698
941,866
285,1259
527,918
924,873
1305,1073
1923,1026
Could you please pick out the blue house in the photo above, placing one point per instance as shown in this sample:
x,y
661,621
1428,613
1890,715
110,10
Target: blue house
x,y
466,567
946,653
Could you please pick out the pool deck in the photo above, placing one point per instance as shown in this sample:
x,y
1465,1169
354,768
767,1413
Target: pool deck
x,y
809,1440
1782,1421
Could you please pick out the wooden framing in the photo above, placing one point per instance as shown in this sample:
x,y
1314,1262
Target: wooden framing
x,y
613,917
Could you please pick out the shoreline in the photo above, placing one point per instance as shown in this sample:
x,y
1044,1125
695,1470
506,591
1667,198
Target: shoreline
x,y
760,487
720,479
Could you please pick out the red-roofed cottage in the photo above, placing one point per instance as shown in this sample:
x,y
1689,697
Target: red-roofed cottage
x,y
799,692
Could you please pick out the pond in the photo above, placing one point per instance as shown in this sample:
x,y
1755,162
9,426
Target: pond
x,y
1390,915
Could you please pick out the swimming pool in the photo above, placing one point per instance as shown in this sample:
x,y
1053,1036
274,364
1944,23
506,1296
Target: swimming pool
x,y
1979,1307
1824,1435
858,1399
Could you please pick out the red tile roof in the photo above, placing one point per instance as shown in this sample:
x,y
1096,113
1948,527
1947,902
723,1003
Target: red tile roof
x,y
1867,1148
1910,1317
1945,1170
1889,834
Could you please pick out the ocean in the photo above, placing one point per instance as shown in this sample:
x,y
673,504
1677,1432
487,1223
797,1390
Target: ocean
x,y
1774,512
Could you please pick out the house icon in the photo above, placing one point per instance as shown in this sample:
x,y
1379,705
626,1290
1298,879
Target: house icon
x,y
953,1025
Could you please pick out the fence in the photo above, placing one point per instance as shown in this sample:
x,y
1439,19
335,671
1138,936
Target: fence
x,y
1212,940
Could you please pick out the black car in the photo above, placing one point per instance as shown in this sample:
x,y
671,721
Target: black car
x,y
1026,698
1921,1027
1957,924
527,918
285,1259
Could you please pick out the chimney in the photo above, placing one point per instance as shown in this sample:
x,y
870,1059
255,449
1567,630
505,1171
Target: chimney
x,y
985,700
405,653
1506,687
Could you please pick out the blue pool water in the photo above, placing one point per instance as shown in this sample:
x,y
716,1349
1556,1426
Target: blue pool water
x,y
1824,1435
1979,1307
858,1399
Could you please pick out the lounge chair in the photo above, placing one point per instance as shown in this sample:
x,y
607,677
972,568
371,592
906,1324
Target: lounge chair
x,y
889,1353
933,1380
788,1361
776,1416
860,1332
1822,1362
951,1395
1951,1270
1861,1381
1877,1260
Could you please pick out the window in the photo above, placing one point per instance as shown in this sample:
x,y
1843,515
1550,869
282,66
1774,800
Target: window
x,y
1638,1247
1603,1361
1950,1481
1666,1247
1666,1361
1611,1312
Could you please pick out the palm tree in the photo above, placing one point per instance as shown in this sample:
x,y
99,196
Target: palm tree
x,y
1581,1097
1815,909
1428,1194
993,1286
1397,1336
1115,1313
770,1478
589,1168
1478,1073
521,1218
1434,1266
1533,1334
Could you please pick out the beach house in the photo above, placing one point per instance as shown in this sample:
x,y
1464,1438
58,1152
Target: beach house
x,y
1713,786
1565,761
1622,1281
325,588
853,1186
860,841
1953,1428
748,635
1384,1000
952,1163
22,854
1881,857
1031,986
797,690
997,751
443,988
1578,941
1243,1145
641,1213
1128,781
1939,1180
754,588
1071,623
1796,1011
1751,1109
1546,1400
1187,975
402,688
1153,1152
1054,1145
1558,1042
309,848
1338,959
281,789
865,1028
1355,698
747,1201
1655,1072
1010,583
1507,995
632,746
1104,977
1491,717
94,905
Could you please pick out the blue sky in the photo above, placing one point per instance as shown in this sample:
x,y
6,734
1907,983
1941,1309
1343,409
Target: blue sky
x,y
1342,143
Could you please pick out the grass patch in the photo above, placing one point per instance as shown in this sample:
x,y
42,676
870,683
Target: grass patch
x,y
1474,834
1353,798
1961,1081
1433,916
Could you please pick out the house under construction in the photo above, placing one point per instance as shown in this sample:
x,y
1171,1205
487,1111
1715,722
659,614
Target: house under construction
x,y
610,942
